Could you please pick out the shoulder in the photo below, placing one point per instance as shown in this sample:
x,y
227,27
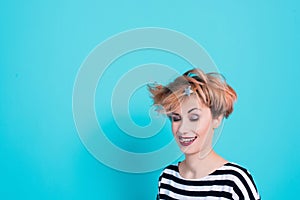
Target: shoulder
x,y
170,170
170,174
172,167
239,173
244,184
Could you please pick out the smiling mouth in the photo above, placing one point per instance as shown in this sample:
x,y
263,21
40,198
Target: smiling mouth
x,y
186,141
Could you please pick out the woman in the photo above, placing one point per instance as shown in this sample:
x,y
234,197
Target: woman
x,y
196,104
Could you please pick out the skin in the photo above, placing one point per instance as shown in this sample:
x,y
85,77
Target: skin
x,y
192,120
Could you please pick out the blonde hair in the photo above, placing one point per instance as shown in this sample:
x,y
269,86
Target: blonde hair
x,y
211,88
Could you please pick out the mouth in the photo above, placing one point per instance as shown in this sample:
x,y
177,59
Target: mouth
x,y
186,141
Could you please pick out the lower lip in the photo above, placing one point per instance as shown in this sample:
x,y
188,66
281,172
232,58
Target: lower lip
x,y
187,143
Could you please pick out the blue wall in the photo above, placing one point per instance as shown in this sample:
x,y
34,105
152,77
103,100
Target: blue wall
x,y
255,44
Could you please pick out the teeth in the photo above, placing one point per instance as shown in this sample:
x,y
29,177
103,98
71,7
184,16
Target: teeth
x,y
186,139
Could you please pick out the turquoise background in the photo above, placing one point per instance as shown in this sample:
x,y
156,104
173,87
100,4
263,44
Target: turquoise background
x,y
255,44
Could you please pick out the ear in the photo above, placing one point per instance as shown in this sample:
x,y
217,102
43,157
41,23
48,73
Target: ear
x,y
217,121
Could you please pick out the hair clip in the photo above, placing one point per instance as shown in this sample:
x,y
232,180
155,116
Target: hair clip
x,y
188,91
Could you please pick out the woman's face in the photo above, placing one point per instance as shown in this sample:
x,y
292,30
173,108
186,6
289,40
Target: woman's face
x,y
193,126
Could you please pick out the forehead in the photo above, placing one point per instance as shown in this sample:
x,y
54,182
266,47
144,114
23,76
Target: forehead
x,y
189,103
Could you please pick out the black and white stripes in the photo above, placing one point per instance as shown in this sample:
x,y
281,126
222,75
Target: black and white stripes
x,y
230,181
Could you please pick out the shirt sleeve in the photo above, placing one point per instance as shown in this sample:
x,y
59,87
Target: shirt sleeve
x,y
158,188
244,187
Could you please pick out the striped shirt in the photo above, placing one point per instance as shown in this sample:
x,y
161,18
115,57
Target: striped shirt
x,y
230,181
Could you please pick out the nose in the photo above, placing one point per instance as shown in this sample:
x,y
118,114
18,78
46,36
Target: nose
x,y
184,127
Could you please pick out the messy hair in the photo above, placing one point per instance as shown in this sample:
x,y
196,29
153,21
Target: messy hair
x,y
211,88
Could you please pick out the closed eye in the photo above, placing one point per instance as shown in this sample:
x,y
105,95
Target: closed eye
x,y
194,117
174,117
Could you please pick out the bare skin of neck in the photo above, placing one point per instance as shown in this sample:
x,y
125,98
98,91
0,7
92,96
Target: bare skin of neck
x,y
195,167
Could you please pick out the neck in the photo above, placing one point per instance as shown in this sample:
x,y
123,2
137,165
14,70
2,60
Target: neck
x,y
195,166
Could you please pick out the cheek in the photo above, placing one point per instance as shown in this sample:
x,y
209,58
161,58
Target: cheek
x,y
175,127
203,128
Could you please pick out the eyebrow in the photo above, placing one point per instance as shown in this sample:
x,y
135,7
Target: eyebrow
x,y
173,113
194,109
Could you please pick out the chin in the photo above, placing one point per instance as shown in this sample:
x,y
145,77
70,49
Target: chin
x,y
189,151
